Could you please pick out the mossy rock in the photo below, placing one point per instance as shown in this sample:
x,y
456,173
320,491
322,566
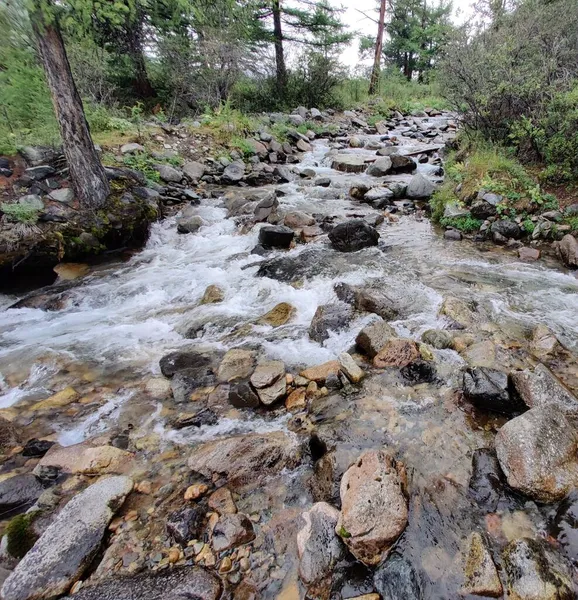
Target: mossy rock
x,y
20,534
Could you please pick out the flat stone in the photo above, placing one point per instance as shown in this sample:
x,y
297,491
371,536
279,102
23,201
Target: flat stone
x,y
60,399
177,583
320,373
245,459
318,546
540,388
348,163
348,366
373,506
86,459
273,393
480,573
298,219
297,400
65,549
236,364
64,195
232,530
178,361
267,373
459,311
544,341
71,271
396,353
278,315
276,236
373,337
482,354
526,253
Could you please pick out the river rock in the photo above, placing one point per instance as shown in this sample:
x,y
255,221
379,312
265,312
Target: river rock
x,y
236,364
303,146
482,210
535,571
541,388
212,295
9,435
348,366
19,492
396,353
298,219
373,506
318,546
487,485
329,318
169,174
373,337
376,301
567,250
538,453
295,267
189,224
221,501
266,208
132,148
193,170
247,458
544,341
242,395
420,187
380,167
267,373
395,578
379,197
458,311
320,373
419,371
273,393
353,235
232,530
438,338
506,228
234,172
480,573
178,361
348,163
177,583
278,315
185,382
402,164
276,236
186,524
65,549
488,389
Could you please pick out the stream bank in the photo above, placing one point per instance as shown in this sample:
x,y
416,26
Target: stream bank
x,y
194,370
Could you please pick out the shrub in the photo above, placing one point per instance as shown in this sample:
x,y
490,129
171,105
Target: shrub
x,y
466,224
22,213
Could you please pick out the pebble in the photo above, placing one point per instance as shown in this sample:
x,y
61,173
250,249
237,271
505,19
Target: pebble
x,y
244,564
195,491
226,565
174,555
144,487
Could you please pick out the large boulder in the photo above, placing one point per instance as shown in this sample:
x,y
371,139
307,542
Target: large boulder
x,y
567,250
193,170
540,387
329,318
294,267
247,458
380,167
506,228
19,492
276,236
170,174
376,301
373,506
353,235
535,571
402,164
181,583
237,363
488,389
538,453
348,163
420,187
234,172
318,546
65,549
373,337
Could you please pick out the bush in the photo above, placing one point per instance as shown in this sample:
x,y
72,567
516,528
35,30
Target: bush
x,y
465,224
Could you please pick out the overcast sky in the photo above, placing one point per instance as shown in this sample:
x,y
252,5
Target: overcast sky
x,y
357,22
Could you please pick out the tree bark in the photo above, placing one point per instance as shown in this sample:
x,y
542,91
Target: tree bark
x,y
87,175
281,69
142,85
375,72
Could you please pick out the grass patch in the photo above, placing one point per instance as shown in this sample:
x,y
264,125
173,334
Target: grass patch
x,y
21,213
465,224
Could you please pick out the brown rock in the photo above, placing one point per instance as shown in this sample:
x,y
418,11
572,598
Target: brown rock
x,y
397,353
236,364
526,253
480,573
267,373
195,491
70,271
212,295
320,373
232,530
544,341
63,398
278,315
296,400
221,501
567,250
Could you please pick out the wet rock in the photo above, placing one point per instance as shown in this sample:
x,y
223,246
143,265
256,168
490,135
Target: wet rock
x,y
487,481
402,164
526,253
541,388
269,380
278,315
178,361
204,416
538,453
303,146
567,250
294,267
169,174
234,172
179,583
480,573
132,148
328,319
246,458
380,167
453,235
565,526
86,459
232,530
373,506
397,353
236,364
353,235
297,400
185,382
19,492
329,469
318,546
350,368
395,578
536,572
420,187
458,311
37,448
482,354
62,398
298,219
189,224
65,549
507,229
9,434
376,301
186,524
488,389
544,341
438,338
266,208
379,197
419,371
242,395
319,373
212,295
348,163
276,236
373,337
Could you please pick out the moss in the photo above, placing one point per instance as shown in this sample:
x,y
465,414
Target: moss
x,y
343,532
20,534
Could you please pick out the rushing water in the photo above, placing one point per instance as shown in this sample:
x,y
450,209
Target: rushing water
x,y
123,317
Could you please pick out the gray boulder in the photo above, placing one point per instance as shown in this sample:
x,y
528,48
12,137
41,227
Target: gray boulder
x,y
169,174
567,250
353,235
64,195
65,549
438,338
380,168
540,388
194,170
329,318
234,172
131,148
373,337
276,236
19,492
420,187
33,201
189,224
506,228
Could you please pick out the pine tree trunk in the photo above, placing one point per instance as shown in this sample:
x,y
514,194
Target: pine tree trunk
x,y
375,72
142,85
87,175
281,70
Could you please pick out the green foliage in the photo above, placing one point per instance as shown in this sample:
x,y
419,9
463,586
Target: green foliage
x,y
466,224
22,213
143,162
20,534
445,195
528,226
